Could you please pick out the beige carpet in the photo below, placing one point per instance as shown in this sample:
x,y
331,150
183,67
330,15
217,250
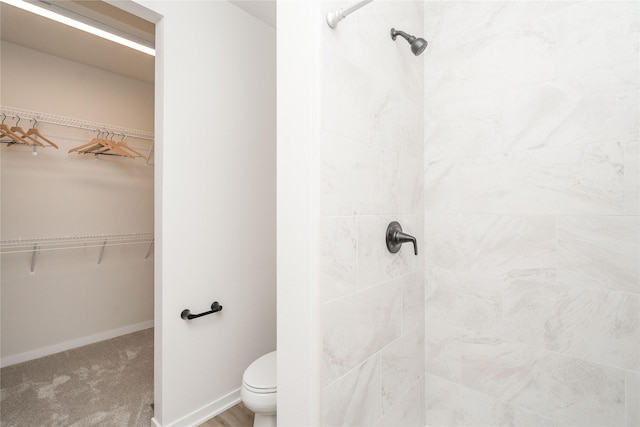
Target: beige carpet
x,y
109,383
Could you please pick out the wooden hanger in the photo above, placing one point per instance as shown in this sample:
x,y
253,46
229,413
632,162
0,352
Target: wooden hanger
x,y
5,131
90,143
119,148
17,130
126,146
102,144
35,132
111,145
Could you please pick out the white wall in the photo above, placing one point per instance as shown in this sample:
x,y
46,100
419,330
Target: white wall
x,y
55,194
531,224
299,345
215,204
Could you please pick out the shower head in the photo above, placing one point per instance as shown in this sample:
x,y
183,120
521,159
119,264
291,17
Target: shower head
x,y
418,45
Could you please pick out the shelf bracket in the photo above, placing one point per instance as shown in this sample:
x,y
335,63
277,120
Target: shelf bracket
x,y
33,258
149,251
102,251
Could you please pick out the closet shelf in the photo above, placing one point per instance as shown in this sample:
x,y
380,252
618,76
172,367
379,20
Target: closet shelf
x,y
35,246
75,123
81,242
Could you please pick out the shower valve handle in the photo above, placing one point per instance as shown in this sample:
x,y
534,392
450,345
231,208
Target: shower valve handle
x,y
395,238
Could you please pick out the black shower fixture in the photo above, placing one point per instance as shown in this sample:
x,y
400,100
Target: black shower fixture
x,y
418,45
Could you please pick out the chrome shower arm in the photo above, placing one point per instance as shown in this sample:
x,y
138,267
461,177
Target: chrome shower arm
x,y
406,36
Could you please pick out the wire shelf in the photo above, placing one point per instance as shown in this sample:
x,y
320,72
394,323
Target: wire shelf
x,y
74,123
61,243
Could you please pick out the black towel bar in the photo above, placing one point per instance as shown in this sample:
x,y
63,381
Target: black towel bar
x,y
186,314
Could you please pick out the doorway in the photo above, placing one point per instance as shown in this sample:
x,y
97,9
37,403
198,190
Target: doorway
x,y
77,223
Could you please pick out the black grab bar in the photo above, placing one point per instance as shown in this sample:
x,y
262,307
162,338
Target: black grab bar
x,y
186,314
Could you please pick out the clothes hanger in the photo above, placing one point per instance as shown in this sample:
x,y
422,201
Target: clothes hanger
x,y
36,132
5,131
93,142
92,145
113,146
102,144
21,132
126,146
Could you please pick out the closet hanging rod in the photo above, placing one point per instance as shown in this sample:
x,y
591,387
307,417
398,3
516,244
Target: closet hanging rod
x,y
87,125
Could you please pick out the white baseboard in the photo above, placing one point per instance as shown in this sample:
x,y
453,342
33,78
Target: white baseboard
x,y
205,413
68,345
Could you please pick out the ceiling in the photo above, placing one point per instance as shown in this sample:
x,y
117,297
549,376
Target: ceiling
x,y
38,33
264,10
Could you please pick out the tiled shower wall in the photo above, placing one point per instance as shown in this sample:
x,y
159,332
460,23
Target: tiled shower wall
x,y
531,214
372,313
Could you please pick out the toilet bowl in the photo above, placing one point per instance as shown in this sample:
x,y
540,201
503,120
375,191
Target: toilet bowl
x,y
259,392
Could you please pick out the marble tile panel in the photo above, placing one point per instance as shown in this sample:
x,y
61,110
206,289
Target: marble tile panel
x,y
463,137
383,115
592,108
430,284
375,263
386,131
450,404
632,177
338,266
585,179
600,252
515,46
402,184
442,193
443,351
532,113
606,110
412,300
450,97
491,244
543,275
443,405
355,105
402,365
408,412
348,98
354,399
462,23
470,301
598,35
412,122
600,326
391,63
521,55
580,179
574,392
633,399
351,176
357,326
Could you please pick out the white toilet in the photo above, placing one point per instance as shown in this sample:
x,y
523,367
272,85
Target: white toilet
x,y
259,392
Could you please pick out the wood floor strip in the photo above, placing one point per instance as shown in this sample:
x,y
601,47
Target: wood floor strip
x,y
236,416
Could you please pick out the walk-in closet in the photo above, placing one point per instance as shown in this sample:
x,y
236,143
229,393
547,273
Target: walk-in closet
x,y
77,200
